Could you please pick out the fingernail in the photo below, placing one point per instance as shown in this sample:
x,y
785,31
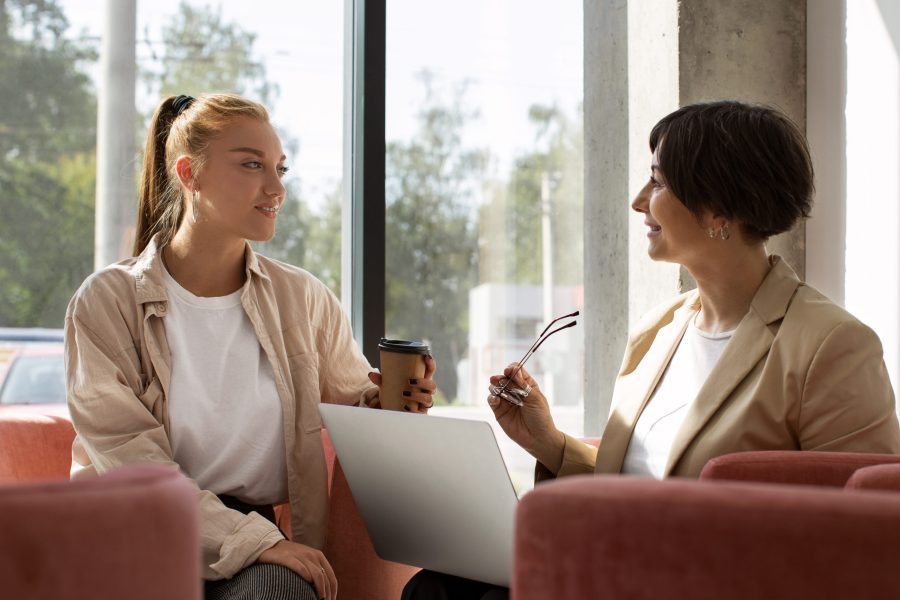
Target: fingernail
x,y
413,381
430,356
493,400
407,394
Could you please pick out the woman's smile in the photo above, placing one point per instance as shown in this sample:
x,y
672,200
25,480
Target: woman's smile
x,y
269,210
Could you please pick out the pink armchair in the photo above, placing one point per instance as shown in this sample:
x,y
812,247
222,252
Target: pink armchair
x,y
38,447
132,533
625,537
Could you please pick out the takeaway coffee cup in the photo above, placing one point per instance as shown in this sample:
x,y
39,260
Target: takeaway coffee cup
x,y
401,360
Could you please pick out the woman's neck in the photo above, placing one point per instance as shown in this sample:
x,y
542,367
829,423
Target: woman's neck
x,y
204,267
727,286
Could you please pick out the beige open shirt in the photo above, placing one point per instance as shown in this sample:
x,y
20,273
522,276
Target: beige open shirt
x,y
118,369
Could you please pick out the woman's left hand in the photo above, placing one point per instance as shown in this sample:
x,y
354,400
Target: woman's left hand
x,y
418,392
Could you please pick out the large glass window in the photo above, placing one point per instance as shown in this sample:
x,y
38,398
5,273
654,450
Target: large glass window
x,y
483,163
289,58
484,195
47,138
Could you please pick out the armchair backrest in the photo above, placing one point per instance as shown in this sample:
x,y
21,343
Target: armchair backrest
x,y
630,537
832,469
34,446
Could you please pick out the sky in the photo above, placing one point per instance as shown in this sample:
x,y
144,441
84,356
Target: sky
x,y
511,53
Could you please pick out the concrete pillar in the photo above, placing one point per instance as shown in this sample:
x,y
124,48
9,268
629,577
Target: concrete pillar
x,y
643,59
653,91
605,207
116,193
750,50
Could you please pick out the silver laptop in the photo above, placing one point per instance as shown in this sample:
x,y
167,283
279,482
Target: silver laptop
x,y
434,492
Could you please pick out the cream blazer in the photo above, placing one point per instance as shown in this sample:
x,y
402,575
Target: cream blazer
x,y
800,373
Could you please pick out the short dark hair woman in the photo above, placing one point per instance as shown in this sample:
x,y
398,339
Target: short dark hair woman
x,y
753,359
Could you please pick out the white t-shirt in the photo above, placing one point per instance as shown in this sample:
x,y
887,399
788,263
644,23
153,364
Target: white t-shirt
x,y
226,424
656,428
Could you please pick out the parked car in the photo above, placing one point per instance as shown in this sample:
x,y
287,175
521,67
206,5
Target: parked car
x,y
32,370
30,335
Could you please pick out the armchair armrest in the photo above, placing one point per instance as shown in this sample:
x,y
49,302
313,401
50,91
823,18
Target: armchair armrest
x,y
360,572
877,477
626,537
132,533
805,468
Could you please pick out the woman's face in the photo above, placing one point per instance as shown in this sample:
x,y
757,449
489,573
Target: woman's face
x,y
240,185
675,234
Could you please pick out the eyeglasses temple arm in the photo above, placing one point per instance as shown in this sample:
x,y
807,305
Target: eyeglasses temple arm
x,y
550,324
537,341
534,348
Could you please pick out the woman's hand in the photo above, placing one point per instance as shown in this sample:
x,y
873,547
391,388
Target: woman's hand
x,y
530,425
419,393
308,563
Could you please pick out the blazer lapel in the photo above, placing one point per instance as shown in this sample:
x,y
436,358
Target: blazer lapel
x,y
634,390
751,342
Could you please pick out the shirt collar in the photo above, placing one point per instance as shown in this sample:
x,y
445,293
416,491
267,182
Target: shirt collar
x,y
774,295
147,272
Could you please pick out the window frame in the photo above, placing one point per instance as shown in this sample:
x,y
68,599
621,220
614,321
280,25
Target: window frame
x,y
363,221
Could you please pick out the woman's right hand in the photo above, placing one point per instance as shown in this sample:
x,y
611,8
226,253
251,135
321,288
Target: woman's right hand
x,y
308,563
530,425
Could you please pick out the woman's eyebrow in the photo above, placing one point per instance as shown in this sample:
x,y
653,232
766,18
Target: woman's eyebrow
x,y
258,153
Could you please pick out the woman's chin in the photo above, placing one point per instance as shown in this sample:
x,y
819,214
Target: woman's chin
x,y
261,236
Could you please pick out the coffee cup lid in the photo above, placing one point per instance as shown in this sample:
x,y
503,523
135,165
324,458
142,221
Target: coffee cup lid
x,y
404,346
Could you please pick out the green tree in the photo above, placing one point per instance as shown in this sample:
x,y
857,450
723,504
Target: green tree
x,y
323,241
558,157
432,183
202,52
47,137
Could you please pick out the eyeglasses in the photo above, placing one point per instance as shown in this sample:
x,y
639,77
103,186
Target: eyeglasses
x,y
516,395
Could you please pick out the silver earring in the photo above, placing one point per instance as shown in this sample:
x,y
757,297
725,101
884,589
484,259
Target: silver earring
x,y
711,232
725,234
195,199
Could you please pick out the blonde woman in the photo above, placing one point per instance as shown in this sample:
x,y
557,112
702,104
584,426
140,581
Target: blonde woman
x,y
201,354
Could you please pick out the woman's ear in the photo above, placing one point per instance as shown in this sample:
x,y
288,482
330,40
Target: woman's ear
x,y
184,171
711,220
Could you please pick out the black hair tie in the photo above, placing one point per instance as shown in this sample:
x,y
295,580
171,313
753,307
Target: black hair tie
x,y
181,103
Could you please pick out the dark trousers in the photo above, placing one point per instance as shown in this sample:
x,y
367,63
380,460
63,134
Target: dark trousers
x,y
430,585
261,581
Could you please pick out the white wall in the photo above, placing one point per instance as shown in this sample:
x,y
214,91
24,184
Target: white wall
x,y
872,284
826,96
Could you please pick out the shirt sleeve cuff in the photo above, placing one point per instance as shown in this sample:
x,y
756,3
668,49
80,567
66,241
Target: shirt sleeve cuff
x,y
253,536
579,458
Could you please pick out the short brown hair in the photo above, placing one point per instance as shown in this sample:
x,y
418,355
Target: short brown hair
x,y
749,163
